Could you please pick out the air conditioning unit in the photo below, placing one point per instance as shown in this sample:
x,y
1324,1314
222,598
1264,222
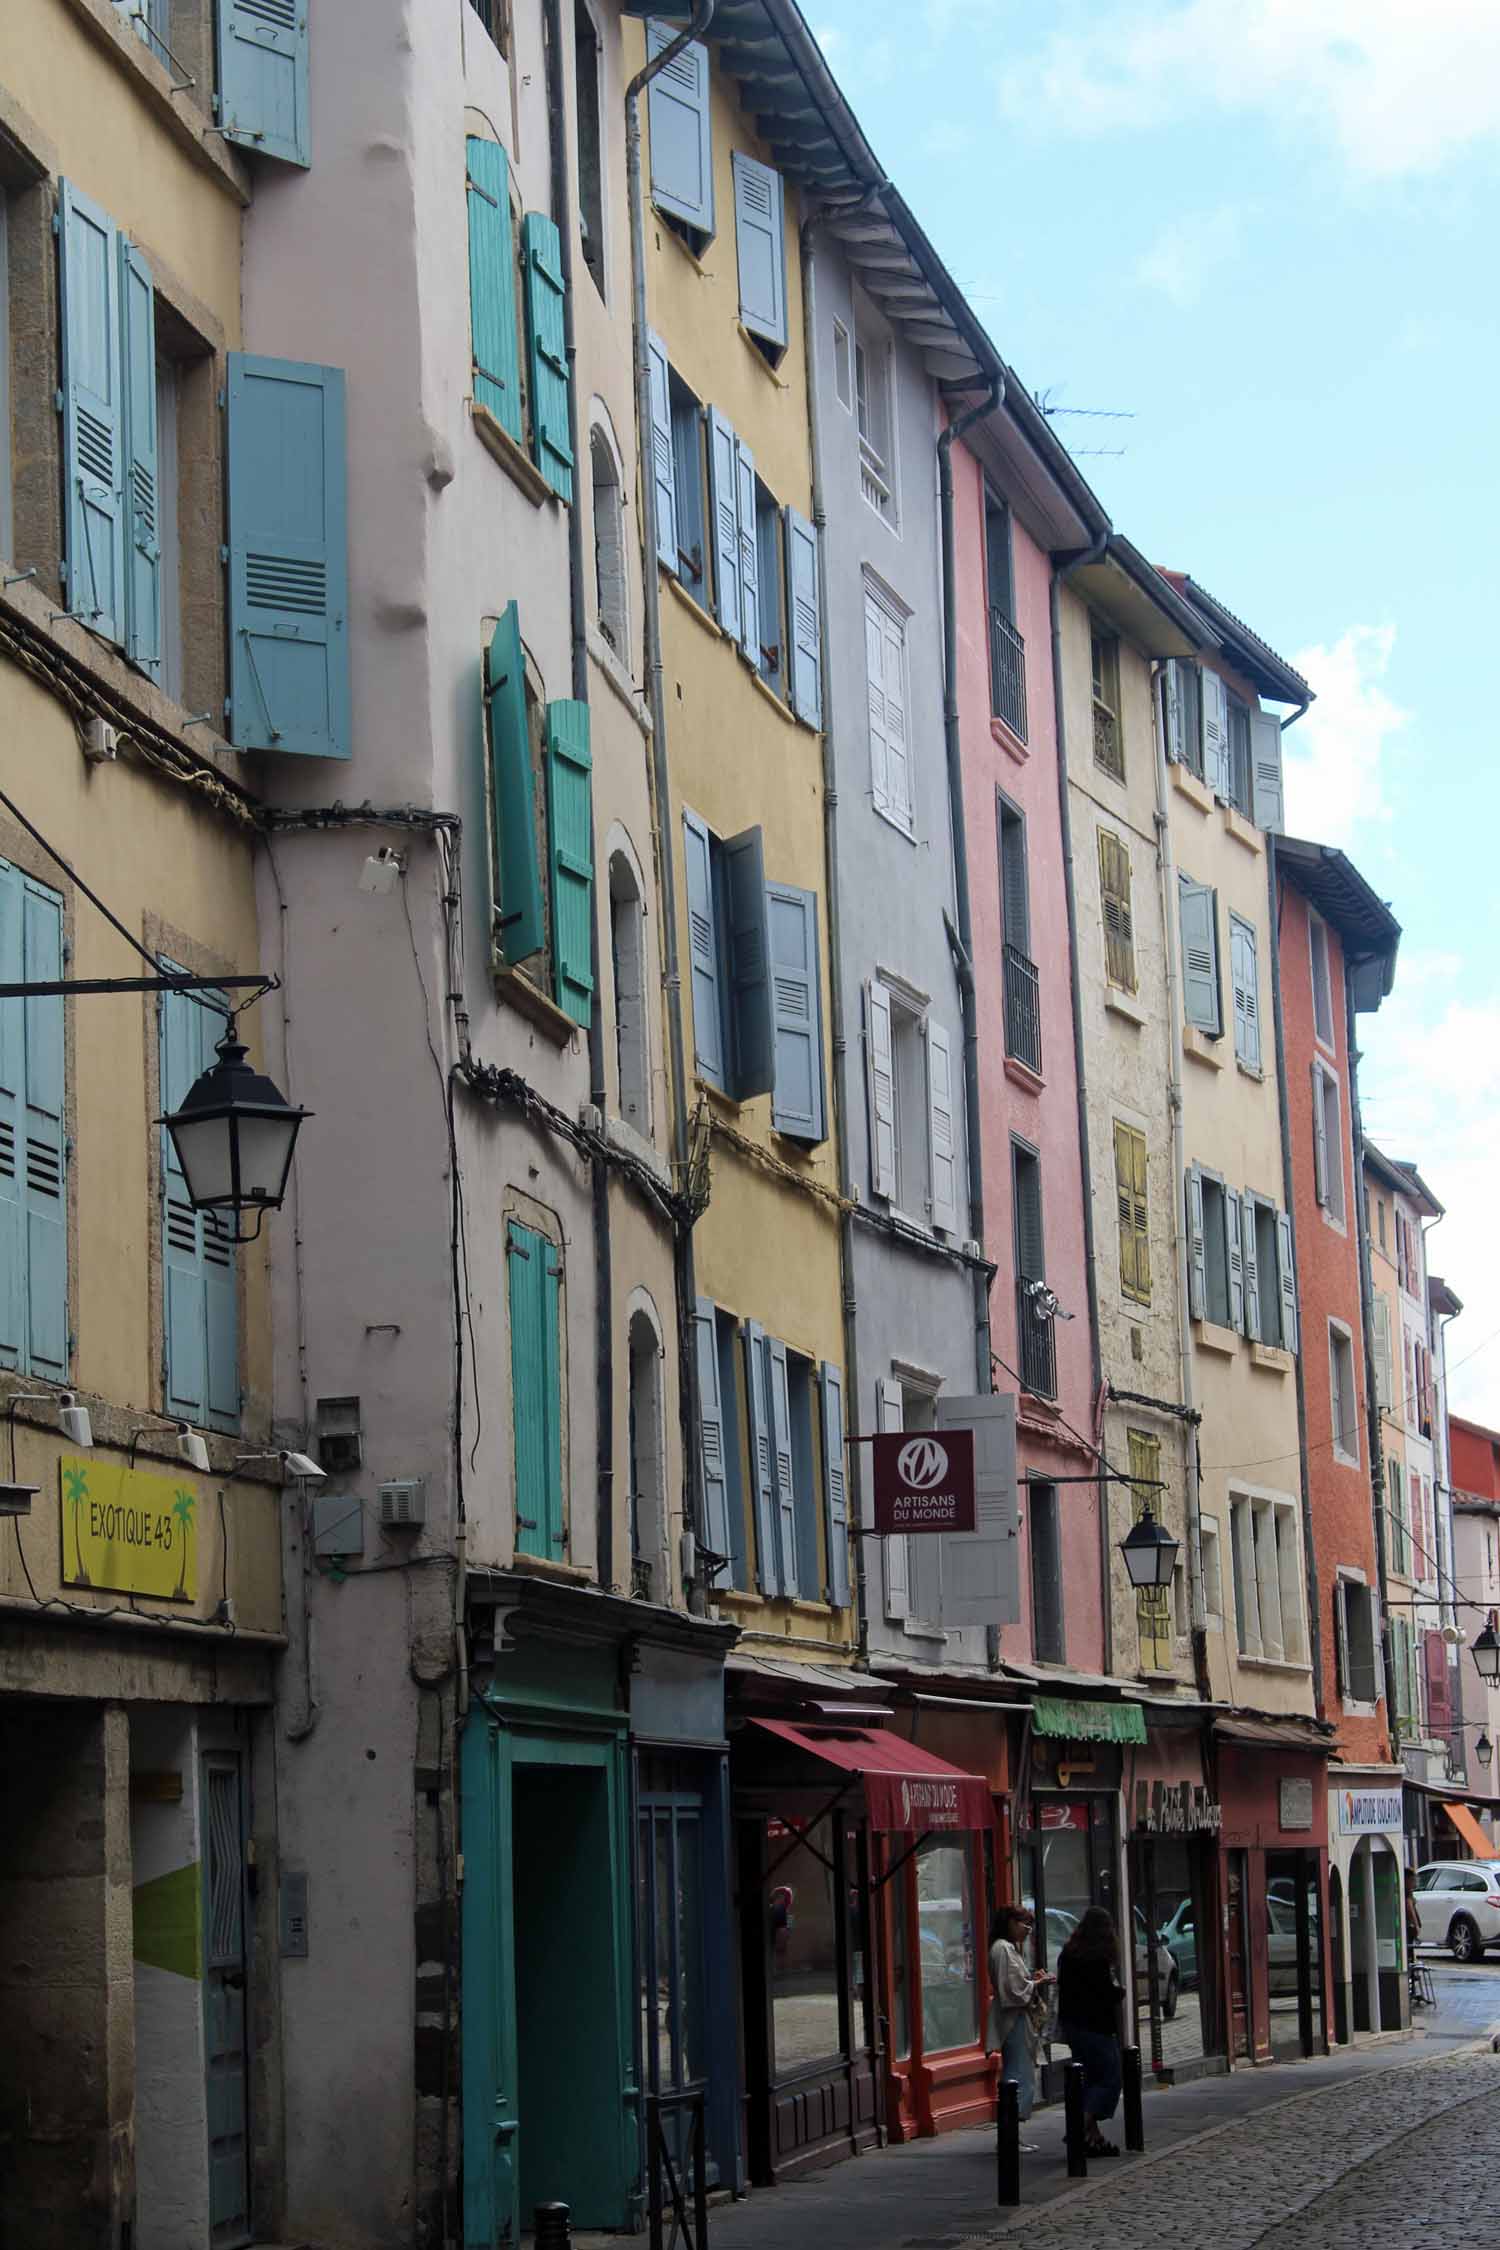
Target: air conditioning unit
x,y
403,1503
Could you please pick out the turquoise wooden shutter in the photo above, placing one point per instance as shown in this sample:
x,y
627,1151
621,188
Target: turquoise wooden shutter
x,y
46,1162
760,245
199,1285
703,951
487,2025
744,477
288,558
751,1040
806,646
518,906
716,1526
93,414
663,453
534,1270
835,1484
570,833
1286,1271
723,500
492,288
1265,765
13,1241
682,171
778,1392
762,1461
1200,954
141,483
546,350
552,1394
262,100
797,1106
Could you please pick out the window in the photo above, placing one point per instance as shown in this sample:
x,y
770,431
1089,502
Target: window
x,y
1241,1266
200,1291
682,168
167,530
721,1429
650,1563
1210,1225
1405,1714
1267,1558
1181,1613
1240,787
843,366
1397,1518
1208,1549
757,994
687,467
1182,702
792,1469
1023,1009
1328,1143
1007,649
1198,908
611,581
1244,977
491,14
1380,1221
1034,1306
1134,1211
627,945
1356,1640
885,675
534,1267
1048,1643
760,249
1115,908
768,652
1322,987
912,1107
541,860
33,1152
1344,1395
872,414
1269,1258
589,143
1153,1604
1109,742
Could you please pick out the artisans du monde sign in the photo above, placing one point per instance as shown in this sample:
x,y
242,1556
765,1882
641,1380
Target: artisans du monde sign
x,y
924,1480
128,1529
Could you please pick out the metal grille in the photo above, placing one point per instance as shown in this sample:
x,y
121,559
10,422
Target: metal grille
x,y
221,1821
1007,673
1023,1010
1038,1352
1107,749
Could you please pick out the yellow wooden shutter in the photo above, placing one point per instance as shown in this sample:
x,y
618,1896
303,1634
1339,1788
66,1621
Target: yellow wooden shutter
x,y
1133,1209
1114,896
1153,1605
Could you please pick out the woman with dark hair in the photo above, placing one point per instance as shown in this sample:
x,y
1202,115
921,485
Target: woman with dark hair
x,y
1089,1993
1014,1992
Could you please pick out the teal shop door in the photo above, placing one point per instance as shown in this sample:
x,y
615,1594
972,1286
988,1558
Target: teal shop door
x,y
490,2118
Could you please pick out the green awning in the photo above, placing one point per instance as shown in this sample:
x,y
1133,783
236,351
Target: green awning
x,y
1088,1722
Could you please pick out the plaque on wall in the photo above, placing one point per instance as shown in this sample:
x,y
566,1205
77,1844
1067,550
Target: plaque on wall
x,y
1296,1804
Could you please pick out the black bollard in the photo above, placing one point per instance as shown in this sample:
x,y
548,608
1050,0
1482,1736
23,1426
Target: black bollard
x,y
1008,2142
1135,2123
1078,2162
552,2225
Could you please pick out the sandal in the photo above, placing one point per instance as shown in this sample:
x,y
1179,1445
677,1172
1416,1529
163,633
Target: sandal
x,y
1101,2147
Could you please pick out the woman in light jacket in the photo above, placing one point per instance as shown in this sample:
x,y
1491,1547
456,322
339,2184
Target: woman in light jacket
x,y
1013,1987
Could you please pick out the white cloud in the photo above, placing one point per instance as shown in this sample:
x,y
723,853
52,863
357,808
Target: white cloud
x,y
1188,253
1337,757
1398,88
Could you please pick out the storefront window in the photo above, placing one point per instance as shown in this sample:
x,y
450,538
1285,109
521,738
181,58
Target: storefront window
x,y
1066,1885
803,1903
946,1936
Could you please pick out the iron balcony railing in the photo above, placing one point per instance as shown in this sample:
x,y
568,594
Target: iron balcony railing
x,y
1007,673
1023,1010
1107,740
1035,1328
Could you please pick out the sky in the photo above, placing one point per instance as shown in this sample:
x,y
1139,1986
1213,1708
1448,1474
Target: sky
x,y
1262,233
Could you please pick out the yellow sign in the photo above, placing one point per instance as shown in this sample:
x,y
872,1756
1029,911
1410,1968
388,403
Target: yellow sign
x,y
127,1529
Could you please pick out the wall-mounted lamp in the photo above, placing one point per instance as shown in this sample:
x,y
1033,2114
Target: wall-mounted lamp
x,y
1150,1553
1486,1652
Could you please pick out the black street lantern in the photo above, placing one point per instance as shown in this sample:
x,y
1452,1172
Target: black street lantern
x,y
1484,1750
1486,1652
234,1137
1150,1553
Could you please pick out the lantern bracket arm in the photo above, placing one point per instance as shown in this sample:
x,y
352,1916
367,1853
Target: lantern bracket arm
x,y
165,980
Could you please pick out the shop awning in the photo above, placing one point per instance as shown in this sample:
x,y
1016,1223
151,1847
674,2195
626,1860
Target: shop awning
x,y
1470,1830
1079,1721
907,1790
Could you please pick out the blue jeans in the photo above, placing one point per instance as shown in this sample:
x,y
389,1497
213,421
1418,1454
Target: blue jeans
x,y
1099,2053
1016,2063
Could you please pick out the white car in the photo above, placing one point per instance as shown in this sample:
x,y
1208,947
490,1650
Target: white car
x,y
1458,1905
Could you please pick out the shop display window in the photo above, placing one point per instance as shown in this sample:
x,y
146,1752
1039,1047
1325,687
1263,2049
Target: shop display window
x,y
806,2014
947,1938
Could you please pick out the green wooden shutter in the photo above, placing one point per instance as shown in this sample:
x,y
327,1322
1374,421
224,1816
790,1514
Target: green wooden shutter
x,y
546,352
262,101
199,1282
570,835
142,490
492,288
533,1278
93,414
1265,766
288,558
835,1484
517,874
552,1378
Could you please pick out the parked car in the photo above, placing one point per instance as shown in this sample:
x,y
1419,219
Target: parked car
x,y
1180,1936
1281,1945
1458,1905
1168,1975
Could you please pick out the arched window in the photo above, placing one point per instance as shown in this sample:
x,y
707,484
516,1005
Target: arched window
x,y
627,945
649,1562
609,545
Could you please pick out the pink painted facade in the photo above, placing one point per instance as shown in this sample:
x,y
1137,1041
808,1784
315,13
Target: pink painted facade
x,y
1035,1111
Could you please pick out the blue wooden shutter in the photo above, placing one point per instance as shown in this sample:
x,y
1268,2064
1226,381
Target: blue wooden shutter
x,y
744,478
46,1161
703,951
199,1281
518,906
546,349
716,1526
762,1459
93,414
942,1114
1286,1273
524,1250
143,496
570,834
663,453
806,647
760,245
797,1106
1268,796
263,95
493,340
288,558
835,1484
1200,954
13,1284
1244,977
723,500
778,1395
682,170
1252,1268
751,1039
1234,1257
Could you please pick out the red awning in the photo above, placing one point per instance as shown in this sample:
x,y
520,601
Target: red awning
x,y
906,1789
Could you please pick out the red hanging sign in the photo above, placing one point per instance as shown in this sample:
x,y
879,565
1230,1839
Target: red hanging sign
x,y
924,1480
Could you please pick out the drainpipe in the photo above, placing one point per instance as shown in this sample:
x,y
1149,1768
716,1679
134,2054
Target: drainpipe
x,y
1192,1454
1068,565
686,1286
963,951
1372,1397
604,1326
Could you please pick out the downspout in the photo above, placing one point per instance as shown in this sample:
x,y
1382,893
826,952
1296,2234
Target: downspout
x,y
1372,1395
1090,554
1192,1452
604,1325
682,1241
963,951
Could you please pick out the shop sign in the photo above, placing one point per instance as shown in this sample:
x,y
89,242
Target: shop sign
x,y
924,1480
914,1804
1176,1808
1368,1812
1296,1804
128,1529
1076,1720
